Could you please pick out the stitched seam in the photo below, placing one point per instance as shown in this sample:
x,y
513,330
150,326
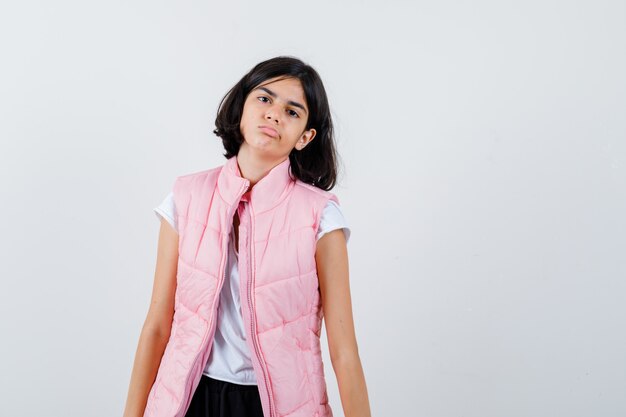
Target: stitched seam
x,y
190,266
282,323
297,408
283,234
284,279
192,220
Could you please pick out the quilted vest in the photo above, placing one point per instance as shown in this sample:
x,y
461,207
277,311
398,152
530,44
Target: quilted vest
x,y
281,304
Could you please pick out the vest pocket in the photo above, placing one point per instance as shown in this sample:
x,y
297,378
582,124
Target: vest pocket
x,y
315,372
182,351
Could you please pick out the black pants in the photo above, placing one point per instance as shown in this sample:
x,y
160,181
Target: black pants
x,y
215,398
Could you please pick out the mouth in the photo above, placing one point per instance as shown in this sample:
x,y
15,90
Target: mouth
x,y
268,131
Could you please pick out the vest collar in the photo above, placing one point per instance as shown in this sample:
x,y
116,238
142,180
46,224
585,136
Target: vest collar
x,y
265,194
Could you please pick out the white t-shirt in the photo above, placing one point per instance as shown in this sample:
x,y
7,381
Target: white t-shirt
x,y
229,359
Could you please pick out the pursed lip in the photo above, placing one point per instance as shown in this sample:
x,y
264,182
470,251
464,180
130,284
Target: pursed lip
x,y
269,130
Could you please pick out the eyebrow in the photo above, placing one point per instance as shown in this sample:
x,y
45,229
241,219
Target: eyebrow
x,y
290,102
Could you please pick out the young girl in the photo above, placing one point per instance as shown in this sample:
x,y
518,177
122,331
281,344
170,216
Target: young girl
x,y
252,256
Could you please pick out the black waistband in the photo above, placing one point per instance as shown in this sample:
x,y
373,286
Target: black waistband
x,y
216,385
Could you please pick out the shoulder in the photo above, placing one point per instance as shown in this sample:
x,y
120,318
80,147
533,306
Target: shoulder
x,y
198,176
326,208
333,213
316,193
332,208
333,218
186,184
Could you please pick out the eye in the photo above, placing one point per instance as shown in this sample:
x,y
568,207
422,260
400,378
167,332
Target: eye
x,y
292,113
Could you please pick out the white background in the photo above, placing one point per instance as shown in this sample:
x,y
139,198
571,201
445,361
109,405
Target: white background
x,y
483,174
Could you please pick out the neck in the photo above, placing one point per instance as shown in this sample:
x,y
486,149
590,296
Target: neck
x,y
252,167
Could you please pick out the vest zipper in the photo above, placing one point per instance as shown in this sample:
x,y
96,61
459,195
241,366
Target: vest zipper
x,y
211,330
252,319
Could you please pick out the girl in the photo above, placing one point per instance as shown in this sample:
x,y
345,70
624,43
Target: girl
x,y
252,256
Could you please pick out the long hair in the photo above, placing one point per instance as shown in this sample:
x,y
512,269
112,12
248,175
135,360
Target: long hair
x,y
316,163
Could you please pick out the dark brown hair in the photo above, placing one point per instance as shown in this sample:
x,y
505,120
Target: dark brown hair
x,y
316,163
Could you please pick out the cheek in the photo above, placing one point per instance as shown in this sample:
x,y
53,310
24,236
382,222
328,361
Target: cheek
x,y
245,115
248,112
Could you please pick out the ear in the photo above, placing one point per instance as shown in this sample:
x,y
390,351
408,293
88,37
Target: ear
x,y
305,138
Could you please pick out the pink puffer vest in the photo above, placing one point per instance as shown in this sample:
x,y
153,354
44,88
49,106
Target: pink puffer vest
x,y
281,304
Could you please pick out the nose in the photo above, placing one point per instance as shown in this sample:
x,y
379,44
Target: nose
x,y
271,114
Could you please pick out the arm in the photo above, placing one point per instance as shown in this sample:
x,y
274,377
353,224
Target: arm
x,y
331,257
158,324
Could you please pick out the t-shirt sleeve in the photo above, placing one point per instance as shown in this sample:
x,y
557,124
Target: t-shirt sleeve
x,y
167,210
332,218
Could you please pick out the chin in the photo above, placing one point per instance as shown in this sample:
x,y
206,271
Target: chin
x,y
262,146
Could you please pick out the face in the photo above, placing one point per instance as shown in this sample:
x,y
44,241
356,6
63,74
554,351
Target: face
x,y
274,118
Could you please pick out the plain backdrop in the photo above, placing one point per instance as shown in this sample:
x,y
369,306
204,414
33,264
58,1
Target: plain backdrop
x,y
482,172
